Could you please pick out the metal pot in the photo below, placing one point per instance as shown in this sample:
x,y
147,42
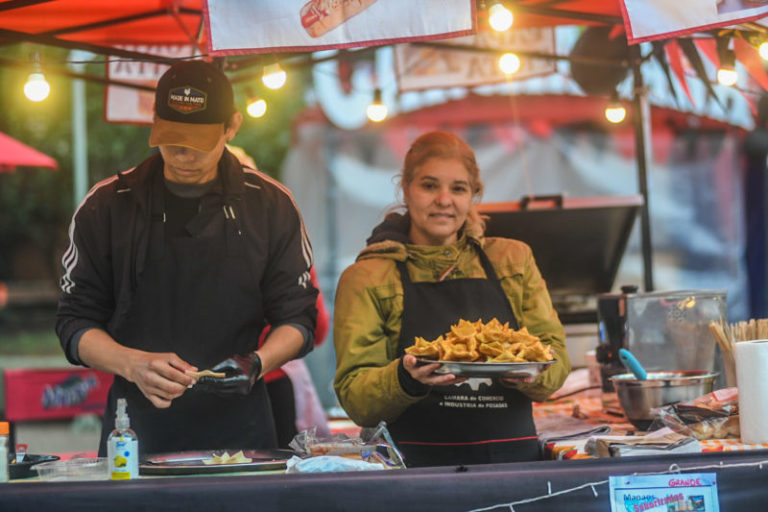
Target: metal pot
x,y
639,397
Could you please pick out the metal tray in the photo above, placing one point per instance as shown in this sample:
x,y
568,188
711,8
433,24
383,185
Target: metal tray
x,y
462,369
191,463
24,469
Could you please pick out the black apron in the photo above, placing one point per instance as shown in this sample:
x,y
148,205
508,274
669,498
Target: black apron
x,y
197,297
476,422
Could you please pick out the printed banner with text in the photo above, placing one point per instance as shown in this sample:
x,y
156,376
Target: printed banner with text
x,y
129,105
647,20
245,26
425,67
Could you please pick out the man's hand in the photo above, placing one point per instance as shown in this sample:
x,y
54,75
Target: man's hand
x,y
159,376
241,372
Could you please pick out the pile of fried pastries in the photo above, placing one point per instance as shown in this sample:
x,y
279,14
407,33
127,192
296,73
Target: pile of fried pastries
x,y
477,342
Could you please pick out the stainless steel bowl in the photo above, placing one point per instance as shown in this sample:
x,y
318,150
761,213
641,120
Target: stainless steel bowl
x,y
639,397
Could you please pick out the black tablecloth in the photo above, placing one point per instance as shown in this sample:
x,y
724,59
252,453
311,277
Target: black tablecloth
x,y
741,479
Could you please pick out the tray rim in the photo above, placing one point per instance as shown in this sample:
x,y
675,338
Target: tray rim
x,y
483,369
25,468
149,465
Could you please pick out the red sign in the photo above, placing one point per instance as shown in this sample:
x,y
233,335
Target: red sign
x,y
49,393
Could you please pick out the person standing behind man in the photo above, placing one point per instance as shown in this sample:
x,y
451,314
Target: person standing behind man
x,y
177,265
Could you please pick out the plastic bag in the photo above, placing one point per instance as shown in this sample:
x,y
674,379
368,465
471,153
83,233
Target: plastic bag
x,y
329,463
711,416
373,445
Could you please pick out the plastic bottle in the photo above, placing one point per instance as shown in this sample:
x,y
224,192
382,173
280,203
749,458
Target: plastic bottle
x,y
123,446
4,431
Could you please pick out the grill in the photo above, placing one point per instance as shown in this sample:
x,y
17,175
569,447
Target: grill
x,y
578,244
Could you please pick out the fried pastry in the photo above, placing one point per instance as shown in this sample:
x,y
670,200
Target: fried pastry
x,y
491,342
423,348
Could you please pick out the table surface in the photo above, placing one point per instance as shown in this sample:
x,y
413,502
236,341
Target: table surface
x,y
554,485
544,486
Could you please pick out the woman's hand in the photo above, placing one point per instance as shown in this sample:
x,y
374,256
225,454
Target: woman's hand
x,y
425,373
514,381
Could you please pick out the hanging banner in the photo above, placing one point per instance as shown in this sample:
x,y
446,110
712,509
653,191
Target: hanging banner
x,y
244,26
647,20
425,67
128,105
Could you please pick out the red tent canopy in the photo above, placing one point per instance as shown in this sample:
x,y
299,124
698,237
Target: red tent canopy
x,y
140,22
16,154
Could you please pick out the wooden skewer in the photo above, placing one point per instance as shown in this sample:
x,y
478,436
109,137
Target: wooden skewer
x,y
762,328
726,348
720,337
752,329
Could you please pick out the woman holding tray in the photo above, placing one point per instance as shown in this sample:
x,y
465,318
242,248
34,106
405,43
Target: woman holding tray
x,y
422,272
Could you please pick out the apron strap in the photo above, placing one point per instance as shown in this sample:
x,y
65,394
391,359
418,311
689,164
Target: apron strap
x,y
490,274
234,239
157,217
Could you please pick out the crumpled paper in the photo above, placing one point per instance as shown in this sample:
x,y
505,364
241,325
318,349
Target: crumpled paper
x,y
662,441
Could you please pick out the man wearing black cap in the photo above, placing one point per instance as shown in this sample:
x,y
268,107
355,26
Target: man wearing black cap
x,y
176,266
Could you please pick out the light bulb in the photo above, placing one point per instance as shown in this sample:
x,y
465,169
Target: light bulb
x,y
763,50
273,76
256,107
500,18
727,76
36,88
376,112
509,63
615,113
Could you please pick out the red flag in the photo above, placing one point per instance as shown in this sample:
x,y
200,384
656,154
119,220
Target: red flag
x,y
708,47
675,58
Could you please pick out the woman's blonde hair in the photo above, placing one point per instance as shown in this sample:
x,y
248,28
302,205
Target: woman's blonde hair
x,y
443,144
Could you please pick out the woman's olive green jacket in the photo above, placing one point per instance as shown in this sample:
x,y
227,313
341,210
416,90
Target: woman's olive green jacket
x,y
368,310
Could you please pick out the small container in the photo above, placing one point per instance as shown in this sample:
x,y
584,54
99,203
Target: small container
x,y
639,397
21,452
86,468
123,446
4,431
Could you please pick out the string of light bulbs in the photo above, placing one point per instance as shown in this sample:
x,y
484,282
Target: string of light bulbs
x,y
499,17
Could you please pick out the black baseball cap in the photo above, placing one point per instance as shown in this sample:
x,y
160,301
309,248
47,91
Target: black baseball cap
x,y
193,100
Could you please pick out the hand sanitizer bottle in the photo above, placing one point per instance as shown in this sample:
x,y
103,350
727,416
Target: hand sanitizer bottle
x,y
123,446
4,430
